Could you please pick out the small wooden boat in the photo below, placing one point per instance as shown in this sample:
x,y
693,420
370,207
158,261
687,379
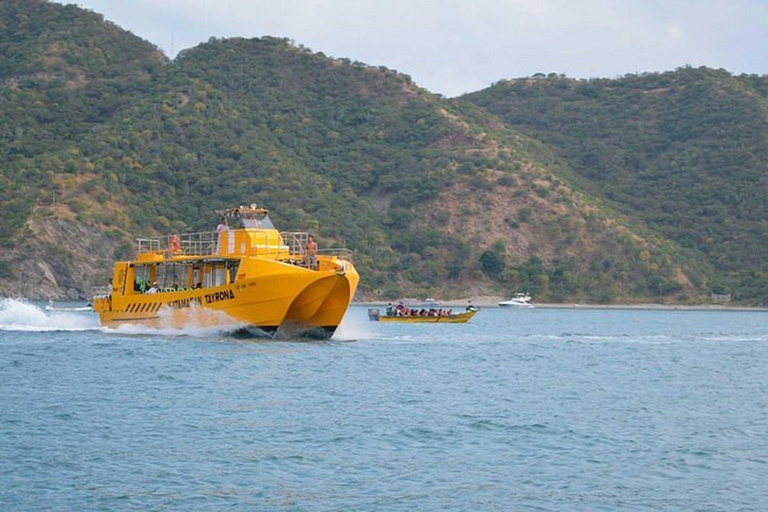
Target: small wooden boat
x,y
455,318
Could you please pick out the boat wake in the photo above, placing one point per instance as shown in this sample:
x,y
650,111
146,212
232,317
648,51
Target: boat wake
x,y
20,315
353,328
208,323
191,331
23,316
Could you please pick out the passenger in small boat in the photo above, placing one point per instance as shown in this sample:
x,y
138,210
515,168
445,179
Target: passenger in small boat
x,y
153,289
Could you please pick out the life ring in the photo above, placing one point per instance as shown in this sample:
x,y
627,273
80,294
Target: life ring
x,y
174,244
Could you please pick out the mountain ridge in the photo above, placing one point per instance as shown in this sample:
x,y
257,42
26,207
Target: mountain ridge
x,y
682,151
437,197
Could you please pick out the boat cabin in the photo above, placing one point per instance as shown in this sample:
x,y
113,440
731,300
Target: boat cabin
x,y
210,259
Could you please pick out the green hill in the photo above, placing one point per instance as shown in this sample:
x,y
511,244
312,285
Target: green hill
x,y
105,139
62,71
685,151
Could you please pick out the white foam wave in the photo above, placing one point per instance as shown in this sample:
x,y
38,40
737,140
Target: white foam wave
x,y
194,322
193,331
20,315
353,327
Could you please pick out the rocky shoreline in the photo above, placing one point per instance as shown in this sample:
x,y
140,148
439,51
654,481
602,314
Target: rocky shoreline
x,y
485,302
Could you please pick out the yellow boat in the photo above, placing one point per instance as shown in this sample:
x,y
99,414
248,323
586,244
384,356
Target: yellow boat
x,y
456,318
251,279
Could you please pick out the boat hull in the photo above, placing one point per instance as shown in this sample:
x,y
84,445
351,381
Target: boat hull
x,y
520,305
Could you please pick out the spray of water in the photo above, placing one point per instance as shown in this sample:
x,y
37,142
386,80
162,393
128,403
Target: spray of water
x,y
20,315
194,331
353,327
194,321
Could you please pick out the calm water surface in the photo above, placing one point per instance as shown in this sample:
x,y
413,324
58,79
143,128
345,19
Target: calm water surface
x,y
518,410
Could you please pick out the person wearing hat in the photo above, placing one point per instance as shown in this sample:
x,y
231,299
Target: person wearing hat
x,y
153,289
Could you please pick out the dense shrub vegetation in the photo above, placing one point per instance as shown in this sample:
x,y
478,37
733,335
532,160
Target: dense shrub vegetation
x,y
685,151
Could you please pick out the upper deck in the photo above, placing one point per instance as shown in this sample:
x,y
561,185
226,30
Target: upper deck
x,y
230,243
257,237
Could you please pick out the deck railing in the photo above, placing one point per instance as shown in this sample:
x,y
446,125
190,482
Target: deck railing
x,y
206,244
189,244
341,253
296,241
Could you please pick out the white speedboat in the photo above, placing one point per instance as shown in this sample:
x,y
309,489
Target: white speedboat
x,y
429,302
519,300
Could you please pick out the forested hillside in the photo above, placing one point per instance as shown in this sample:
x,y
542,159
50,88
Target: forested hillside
x,y
62,72
105,139
685,151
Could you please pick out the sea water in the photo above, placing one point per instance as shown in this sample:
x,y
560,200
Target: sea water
x,y
556,409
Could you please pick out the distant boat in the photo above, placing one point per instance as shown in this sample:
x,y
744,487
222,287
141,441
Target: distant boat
x,y
454,318
518,300
429,302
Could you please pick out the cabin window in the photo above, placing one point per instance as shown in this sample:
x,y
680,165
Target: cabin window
x,y
142,278
232,267
256,221
172,276
219,276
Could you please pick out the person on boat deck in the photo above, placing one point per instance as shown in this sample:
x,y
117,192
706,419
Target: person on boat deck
x,y
311,248
153,289
389,309
221,229
470,307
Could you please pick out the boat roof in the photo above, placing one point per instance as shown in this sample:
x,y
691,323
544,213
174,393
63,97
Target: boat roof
x,y
242,211
252,217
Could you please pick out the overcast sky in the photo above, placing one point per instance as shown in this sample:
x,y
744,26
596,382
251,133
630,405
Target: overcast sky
x,y
457,46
